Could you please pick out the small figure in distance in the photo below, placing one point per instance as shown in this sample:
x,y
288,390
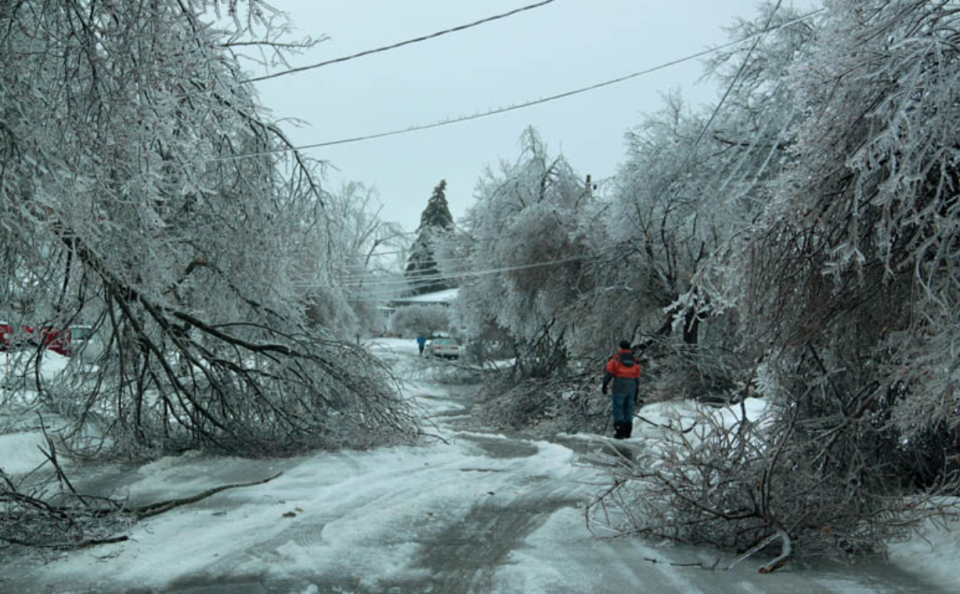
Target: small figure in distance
x,y
624,370
421,342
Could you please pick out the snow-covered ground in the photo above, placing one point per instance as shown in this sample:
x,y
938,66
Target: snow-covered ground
x,y
20,451
934,553
20,441
349,519
470,511
17,366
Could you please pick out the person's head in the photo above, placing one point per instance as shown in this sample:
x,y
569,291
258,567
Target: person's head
x,y
625,344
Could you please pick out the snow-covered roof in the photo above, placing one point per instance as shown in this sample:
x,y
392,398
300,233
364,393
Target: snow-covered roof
x,y
445,296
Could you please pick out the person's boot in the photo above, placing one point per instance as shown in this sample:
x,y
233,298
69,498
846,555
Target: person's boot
x,y
627,429
617,430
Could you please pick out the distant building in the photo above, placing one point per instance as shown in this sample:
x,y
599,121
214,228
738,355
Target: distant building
x,y
444,297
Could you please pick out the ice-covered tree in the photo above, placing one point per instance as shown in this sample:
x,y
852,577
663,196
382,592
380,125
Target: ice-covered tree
x,y
663,214
422,273
851,272
143,189
846,282
420,320
346,279
528,234
691,182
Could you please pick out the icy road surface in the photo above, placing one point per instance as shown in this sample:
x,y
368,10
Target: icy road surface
x,y
485,512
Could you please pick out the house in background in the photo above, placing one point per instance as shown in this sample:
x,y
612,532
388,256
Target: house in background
x,y
444,297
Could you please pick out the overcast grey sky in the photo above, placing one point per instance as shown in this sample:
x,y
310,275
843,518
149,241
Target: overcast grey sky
x,y
559,47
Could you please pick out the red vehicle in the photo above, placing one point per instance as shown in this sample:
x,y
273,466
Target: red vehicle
x,y
56,340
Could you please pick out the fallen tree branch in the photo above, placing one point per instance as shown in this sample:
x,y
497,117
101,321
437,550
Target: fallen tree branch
x,y
155,509
85,517
755,549
671,427
65,545
786,553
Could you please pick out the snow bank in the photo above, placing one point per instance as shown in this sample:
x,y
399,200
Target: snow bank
x,y
21,364
500,363
406,346
667,414
932,553
20,453
652,420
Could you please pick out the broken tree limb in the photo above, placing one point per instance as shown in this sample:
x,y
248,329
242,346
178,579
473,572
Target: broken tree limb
x,y
786,553
83,515
65,545
755,549
671,427
155,509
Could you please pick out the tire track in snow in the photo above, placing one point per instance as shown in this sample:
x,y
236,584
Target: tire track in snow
x,y
464,557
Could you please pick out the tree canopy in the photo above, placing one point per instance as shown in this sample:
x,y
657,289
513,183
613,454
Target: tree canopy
x,y
422,272
142,190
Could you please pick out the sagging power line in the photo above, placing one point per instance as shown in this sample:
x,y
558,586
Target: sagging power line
x,y
393,46
525,104
466,274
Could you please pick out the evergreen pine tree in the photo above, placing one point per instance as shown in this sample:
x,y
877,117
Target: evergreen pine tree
x,y
422,271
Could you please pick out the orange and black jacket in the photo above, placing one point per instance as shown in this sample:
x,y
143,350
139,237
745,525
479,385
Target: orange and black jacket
x,y
624,370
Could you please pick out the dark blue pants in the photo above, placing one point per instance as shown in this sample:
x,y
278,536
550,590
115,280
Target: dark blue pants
x,y
622,407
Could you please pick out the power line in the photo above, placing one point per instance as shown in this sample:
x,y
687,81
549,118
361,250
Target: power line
x,y
723,99
400,44
357,273
363,283
395,252
466,274
358,270
518,106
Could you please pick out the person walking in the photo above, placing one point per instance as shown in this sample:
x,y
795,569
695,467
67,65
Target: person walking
x,y
624,370
421,343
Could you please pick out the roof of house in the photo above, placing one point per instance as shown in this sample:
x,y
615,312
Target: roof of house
x,y
445,296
